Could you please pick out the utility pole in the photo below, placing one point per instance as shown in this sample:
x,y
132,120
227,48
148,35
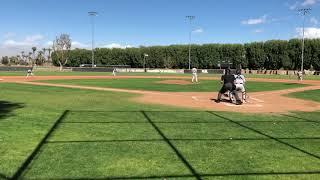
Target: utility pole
x,y
190,18
144,62
304,12
92,14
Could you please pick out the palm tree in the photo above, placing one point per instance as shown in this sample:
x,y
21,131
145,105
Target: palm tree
x,y
33,52
49,55
25,57
29,56
44,52
22,54
40,58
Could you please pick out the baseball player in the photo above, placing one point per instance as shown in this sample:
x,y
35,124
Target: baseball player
x,y
29,72
194,75
114,72
240,82
228,85
300,74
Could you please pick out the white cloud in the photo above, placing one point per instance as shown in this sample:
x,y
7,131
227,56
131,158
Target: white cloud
x,y
34,38
302,3
255,21
11,46
258,31
29,41
294,6
9,35
49,43
199,30
309,33
76,44
12,43
309,2
314,21
115,45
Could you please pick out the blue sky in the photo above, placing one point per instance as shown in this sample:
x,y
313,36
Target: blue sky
x,y
151,22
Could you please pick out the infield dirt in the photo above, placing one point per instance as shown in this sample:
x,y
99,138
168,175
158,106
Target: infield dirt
x,y
259,102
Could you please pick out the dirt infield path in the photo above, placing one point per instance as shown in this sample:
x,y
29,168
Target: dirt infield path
x,y
260,102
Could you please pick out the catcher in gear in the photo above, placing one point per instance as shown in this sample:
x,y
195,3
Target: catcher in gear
x,y
228,85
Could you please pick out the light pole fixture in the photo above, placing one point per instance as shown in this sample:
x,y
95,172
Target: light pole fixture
x,y
144,61
92,14
304,12
190,18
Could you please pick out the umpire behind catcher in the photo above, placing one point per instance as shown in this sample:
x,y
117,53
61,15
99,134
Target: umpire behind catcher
x,y
228,85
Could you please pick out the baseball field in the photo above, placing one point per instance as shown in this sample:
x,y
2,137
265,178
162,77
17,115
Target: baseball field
x,y
156,126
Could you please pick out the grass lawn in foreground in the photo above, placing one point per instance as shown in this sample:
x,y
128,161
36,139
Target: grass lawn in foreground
x,y
154,85
172,147
106,136
28,112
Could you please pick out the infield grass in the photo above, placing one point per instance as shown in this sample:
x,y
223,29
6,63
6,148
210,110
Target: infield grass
x,y
313,95
156,85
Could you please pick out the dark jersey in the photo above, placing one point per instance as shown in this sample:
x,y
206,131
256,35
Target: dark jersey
x,y
228,79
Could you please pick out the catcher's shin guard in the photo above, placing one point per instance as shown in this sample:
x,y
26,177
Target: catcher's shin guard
x,y
244,96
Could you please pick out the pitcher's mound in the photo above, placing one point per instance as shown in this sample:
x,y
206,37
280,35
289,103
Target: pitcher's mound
x,y
178,82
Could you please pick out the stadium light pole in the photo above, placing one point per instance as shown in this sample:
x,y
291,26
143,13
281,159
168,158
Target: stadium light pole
x,y
190,18
304,12
144,62
92,14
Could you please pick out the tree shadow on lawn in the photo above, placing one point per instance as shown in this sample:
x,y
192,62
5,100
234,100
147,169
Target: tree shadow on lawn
x,y
6,108
292,84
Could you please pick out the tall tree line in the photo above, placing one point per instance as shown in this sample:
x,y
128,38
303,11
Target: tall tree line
x,y
272,55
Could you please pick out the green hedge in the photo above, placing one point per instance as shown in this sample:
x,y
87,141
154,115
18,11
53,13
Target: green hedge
x,y
273,54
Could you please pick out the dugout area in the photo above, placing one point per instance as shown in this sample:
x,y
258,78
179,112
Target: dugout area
x,y
174,144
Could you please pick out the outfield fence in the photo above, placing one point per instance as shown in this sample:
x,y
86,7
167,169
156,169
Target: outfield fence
x,y
128,69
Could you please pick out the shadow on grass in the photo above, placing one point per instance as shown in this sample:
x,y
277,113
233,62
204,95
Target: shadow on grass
x,y
2,176
290,84
6,108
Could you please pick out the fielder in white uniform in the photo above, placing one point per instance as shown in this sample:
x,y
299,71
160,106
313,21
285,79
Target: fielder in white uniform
x,y
29,73
114,72
240,82
300,75
194,75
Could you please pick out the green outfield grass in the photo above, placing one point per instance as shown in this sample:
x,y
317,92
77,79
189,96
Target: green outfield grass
x,y
313,95
104,135
154,85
